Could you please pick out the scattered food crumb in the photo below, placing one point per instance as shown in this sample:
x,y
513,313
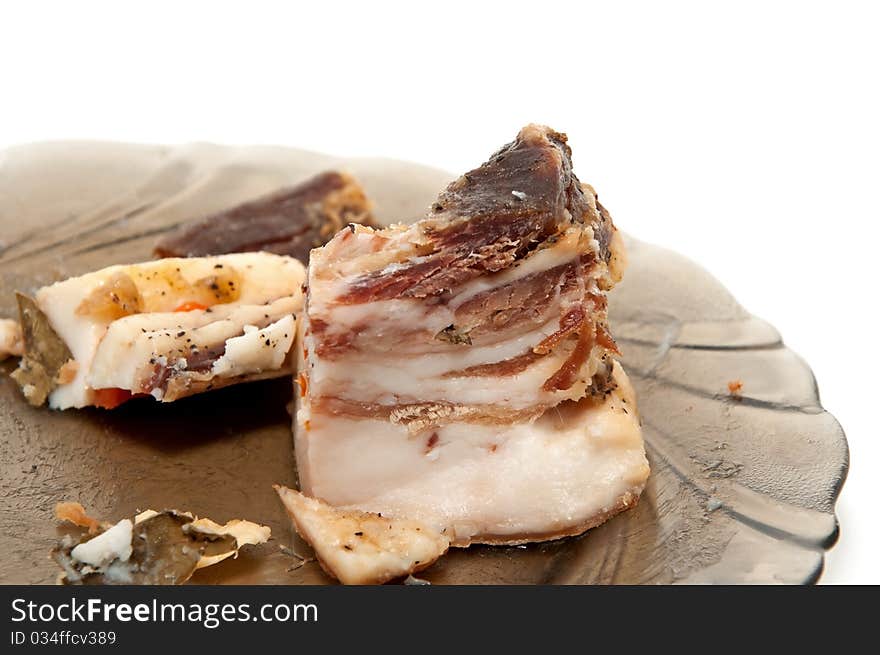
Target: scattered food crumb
x,y
735,388
412,580
151,548
76,514
362,547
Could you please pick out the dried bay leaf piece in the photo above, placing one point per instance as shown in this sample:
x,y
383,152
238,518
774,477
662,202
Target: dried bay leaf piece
x,y
44,353
166,548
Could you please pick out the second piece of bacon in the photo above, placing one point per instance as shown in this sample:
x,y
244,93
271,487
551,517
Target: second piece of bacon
x,y
288,222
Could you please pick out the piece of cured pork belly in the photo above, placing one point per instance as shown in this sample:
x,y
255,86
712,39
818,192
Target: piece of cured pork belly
x,y
168,328
460,372
290,221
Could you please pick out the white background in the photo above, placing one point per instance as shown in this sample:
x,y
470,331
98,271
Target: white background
x,y
744,136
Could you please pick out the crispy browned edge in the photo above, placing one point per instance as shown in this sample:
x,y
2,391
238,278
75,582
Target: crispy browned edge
x,y
415,569
378,581
189,387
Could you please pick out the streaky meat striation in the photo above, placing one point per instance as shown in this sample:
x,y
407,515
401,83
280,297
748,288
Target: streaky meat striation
x,y
439,347
289,222
511,253
492,217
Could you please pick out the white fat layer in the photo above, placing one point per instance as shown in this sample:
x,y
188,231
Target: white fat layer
x,y
381,316
366,250
257,350
112,544
562,252
572,464
81,334
453,358
391,315
11,342
421,379
264,278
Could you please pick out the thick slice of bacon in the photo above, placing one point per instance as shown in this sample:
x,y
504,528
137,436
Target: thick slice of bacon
x,y
440,347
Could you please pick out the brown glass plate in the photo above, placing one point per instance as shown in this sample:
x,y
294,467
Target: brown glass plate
x,y
742,489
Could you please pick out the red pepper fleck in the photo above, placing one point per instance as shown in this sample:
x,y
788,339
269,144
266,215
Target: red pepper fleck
x,y
111,398
190,306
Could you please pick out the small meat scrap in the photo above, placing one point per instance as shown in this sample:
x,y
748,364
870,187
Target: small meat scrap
x,y
168,329
152,548
360,548
75,513
11,340
289,222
